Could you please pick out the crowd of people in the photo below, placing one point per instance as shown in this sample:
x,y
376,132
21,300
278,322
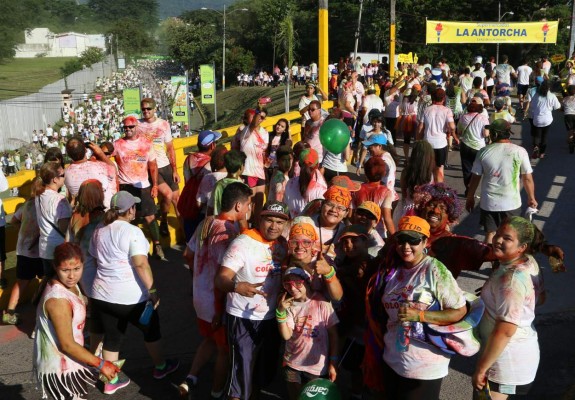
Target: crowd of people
x,y
287,252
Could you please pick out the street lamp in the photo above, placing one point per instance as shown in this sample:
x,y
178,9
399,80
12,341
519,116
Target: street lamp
x,y
224,41
500,18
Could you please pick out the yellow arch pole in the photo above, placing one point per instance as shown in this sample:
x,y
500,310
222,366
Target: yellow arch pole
x,y
323,39
392,40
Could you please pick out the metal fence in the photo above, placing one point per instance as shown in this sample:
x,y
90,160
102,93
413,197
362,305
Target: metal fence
x,y
20,116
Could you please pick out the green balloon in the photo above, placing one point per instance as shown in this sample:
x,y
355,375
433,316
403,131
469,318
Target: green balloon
x,y
334,135
320,389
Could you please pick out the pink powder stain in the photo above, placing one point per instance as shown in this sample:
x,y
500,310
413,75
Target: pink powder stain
x,y
10,334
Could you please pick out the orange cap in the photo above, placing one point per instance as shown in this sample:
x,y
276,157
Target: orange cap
x,y
372,208
413,224
338,195
305,229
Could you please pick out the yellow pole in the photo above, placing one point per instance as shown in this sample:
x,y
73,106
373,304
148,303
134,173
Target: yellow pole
x,y
323,39
392,40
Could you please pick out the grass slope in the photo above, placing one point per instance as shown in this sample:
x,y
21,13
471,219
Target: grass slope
x,y
235,100
23,76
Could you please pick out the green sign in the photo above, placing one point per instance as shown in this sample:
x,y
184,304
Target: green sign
x,y
208,82
132,102
180,106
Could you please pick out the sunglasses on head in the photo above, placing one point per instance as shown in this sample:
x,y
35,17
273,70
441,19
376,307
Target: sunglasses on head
x,y
403,239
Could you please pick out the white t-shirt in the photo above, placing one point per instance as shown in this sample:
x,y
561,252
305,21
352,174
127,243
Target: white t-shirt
x,y
470,129
481,74
255,262
293,198
503,73
510,295
419,286
116,280
542,107
523,74
371,102
208,257
436,119
76,174
501,165
389,179
304,102
255,146
569,105
334,162
207,186
159,133
51,206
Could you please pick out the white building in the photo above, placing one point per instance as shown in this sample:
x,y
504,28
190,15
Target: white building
x,y
42,42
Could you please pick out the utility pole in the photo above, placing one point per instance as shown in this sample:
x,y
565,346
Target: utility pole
x,y
392,39
572,28
323,40
357,30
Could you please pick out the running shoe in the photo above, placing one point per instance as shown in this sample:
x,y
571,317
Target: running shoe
x,y
111,388
159,252
164,231
171,366
10,319
535,153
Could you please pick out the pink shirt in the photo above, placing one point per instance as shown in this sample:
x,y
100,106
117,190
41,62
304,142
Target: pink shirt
x,y
437,118
132,157
78,173
311,136
159,133
308,348
255,146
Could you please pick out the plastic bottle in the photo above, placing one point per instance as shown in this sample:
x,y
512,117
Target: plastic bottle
x,y
402,342
147,313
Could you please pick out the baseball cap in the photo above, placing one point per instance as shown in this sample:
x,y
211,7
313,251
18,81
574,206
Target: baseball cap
x,y
376,139
304,229
122,201
338,195
499,125
417,87
477,98
275,209
302,273
309,158
334,72
354,230
130,120
344,182
205,138
372,208
413,226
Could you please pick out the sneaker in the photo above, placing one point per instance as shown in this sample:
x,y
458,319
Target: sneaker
x,y
171,366
159,252
164,231
10,319
186,387
535,153
111,388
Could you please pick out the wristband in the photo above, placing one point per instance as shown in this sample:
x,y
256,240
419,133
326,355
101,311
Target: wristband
x,y
421,316
281,320
152,290
101,365
281,314
330,274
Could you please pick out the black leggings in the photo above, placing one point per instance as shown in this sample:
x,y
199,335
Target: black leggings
x,y
399,388
539,134
115,318
467,158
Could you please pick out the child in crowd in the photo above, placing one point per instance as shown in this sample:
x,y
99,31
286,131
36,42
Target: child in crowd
x,y
501,111
280,178
308,325
297,149
234,162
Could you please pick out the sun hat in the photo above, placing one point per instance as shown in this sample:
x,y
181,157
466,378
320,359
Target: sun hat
x,y
344,182
379,138
304,229
275,209
205,138
372,208
413,226
354,230
122,201
302,273
309,158
338,195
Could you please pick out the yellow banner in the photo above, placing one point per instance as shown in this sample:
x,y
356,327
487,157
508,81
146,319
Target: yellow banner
x,y
439,32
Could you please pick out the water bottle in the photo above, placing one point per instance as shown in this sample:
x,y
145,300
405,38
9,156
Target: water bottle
x,y
402,342
147,313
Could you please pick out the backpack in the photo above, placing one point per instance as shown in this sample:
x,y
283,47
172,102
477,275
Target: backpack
x,y
187,204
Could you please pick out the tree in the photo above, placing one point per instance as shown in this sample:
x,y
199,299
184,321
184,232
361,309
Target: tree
x,y
132,37
287,41
189,43
92,55
110,11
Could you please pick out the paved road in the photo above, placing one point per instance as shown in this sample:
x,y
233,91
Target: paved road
x,y
555,186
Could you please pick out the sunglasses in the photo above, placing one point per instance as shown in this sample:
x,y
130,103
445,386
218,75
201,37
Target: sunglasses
x,y
306,244
129,126
147,108
403,239
314,109
297,284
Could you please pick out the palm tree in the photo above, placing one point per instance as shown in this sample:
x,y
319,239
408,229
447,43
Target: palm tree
x,y
287,42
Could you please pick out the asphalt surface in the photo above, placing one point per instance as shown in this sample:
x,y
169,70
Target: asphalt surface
x,y
555,188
